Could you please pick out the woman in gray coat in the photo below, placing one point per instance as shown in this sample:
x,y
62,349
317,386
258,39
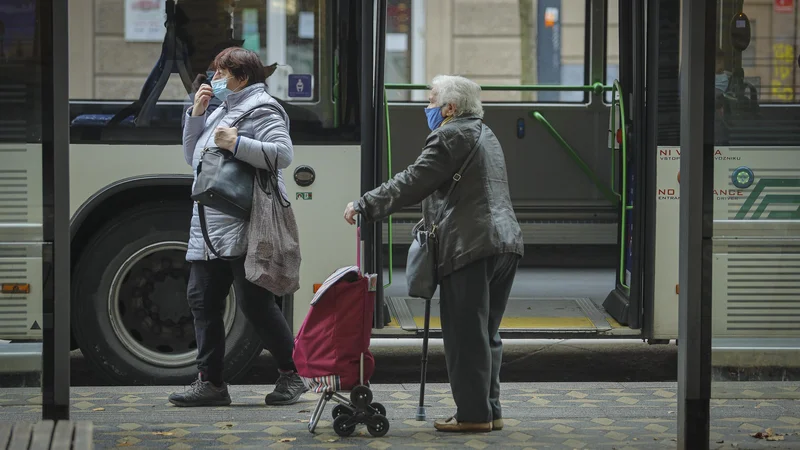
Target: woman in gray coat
x,y
238,83
480,243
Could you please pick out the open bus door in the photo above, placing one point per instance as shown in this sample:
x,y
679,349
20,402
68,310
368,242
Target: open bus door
x,y
624,302
650,73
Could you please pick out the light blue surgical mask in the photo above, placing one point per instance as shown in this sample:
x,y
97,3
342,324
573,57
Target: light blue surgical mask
x,y
721,81
435,117
220,88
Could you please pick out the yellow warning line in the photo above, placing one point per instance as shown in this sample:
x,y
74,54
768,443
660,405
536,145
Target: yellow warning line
x,y
525,322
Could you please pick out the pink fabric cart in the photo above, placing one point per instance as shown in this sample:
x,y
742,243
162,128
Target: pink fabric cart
x,y
332,352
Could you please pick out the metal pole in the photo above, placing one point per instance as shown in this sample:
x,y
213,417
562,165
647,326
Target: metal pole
x,y
379,149
367,124
55,204
696,222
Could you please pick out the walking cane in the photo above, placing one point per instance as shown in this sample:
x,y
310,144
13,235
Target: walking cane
x,y
421,408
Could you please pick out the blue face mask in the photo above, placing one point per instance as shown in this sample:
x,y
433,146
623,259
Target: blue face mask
x,y
721,81
220,88
435,117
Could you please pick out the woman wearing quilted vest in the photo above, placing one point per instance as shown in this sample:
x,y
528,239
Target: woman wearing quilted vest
x,y
238,83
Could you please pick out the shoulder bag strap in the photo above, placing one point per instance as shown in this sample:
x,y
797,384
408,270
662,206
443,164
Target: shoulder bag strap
x,y
456,179
201,210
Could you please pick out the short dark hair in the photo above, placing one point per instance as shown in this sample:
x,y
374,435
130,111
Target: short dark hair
x,y
243,64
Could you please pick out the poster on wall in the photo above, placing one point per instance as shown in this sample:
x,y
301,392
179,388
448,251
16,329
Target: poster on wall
x,y
144,20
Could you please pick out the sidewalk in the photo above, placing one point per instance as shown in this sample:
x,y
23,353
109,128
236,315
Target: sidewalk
x,y
537,415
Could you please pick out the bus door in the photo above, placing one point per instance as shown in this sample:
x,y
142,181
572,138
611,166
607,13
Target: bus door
x,y
544,96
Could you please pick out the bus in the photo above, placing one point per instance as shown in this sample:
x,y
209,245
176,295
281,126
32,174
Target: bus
x,y
593,166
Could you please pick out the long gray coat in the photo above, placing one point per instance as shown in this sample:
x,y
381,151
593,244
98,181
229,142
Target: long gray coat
x,y
265,130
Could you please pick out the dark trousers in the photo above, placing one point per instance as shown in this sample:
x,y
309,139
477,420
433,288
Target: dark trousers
x,y
209,285
473,300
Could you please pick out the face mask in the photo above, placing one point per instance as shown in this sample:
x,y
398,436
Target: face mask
x,y
721,81
435,117
220,88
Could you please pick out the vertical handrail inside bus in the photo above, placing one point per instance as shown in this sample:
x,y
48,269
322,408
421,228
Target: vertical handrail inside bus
x,y
388,174
624,176
596,88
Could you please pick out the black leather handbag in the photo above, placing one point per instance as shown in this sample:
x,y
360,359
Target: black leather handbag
x,y
225,183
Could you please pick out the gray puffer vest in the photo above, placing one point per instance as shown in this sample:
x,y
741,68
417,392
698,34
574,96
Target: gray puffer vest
x,y
266,130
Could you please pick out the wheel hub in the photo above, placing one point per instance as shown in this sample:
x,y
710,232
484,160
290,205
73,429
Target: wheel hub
x,y
148,307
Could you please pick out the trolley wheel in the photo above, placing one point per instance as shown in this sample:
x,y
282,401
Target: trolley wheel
x,y
361,396
342,427
380,408
338,410
378,426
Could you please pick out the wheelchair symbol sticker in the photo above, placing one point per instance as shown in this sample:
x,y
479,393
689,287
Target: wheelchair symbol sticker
x,y
300,86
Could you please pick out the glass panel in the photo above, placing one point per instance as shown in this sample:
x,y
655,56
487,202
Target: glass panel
x,y
21,215
132,77
756,245
612,45
499,43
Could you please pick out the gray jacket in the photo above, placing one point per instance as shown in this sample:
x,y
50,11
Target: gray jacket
x,y
266,130
479,220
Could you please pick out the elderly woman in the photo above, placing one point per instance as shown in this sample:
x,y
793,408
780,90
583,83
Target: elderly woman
x,y
218,260
480,243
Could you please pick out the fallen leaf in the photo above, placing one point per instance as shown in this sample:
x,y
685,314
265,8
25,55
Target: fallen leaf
x,y
288,440
99,409
303,421
302,411
227,425
721,441
768,434
162,433
332,440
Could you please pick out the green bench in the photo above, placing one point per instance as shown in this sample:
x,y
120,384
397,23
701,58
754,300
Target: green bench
x,y
64,434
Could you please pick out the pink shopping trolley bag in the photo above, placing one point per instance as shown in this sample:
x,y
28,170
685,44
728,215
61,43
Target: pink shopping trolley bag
x,y
336,332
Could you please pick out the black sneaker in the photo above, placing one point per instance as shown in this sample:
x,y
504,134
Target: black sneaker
x,y
202,393
288,389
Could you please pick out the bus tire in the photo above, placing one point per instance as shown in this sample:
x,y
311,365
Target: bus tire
x,y
130,316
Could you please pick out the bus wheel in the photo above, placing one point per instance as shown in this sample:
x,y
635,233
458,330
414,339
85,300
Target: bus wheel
x,y
130,316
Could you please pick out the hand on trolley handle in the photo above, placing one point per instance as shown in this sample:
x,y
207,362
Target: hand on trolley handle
x,y
350,214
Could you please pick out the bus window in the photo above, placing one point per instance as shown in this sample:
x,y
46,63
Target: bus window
x,y
493,43
135,66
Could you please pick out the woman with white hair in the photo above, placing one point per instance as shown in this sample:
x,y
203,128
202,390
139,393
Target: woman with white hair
x,y
479,242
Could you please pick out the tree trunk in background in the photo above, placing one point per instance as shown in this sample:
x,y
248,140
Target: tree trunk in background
x,y
527,35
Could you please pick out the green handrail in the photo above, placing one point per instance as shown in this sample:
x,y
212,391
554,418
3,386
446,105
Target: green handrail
x,y
608,193
596,88
624,194
389,173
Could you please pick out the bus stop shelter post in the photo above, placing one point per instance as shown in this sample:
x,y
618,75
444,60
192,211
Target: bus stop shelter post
x,y
696,222
55,204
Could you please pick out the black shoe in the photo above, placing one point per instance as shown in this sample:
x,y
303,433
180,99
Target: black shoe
x,y
288,389
202,393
